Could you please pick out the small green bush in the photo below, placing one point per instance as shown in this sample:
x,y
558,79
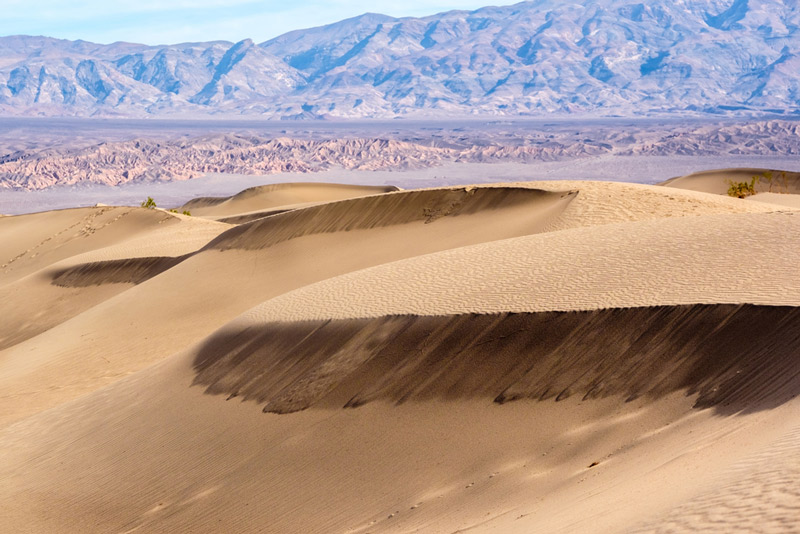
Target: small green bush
x,y
741,189
184,212
149,203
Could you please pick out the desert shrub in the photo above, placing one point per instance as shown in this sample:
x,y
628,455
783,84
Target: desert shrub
x,y
742,189
149,203
782,183
184,212
765,176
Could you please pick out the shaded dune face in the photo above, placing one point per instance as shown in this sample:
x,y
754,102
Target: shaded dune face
x,y
378,211
125,271
275,195
733,357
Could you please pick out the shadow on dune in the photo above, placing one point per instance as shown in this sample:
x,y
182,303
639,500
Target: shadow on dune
x,y
125,271
733,357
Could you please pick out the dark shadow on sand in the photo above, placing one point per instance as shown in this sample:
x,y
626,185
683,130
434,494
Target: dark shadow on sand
x,y
733,357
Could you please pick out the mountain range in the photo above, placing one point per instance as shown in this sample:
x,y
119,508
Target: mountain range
x,y
144,160
542,57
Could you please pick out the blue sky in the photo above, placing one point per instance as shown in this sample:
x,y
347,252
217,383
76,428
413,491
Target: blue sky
x,y
173,21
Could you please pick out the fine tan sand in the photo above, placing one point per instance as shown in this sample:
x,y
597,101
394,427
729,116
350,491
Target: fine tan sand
x,y
791,200
535,357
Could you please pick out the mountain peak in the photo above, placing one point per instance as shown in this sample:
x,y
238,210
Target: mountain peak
x,y
540,57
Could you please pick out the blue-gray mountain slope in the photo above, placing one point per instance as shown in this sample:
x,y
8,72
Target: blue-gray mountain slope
x,y
542,57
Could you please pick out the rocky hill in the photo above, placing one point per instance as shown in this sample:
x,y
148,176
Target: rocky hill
x,y
599,57
149,159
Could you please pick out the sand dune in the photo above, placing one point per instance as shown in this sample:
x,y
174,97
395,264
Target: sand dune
x,y
781,199
265,258
271,197
717,181
539,357
155,454
32,242
602,203
60,242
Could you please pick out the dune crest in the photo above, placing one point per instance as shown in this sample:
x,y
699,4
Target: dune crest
x,y
405,207
274,196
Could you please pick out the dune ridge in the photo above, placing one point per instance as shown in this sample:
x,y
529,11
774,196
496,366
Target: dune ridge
x,y
426,206
342,216
273,196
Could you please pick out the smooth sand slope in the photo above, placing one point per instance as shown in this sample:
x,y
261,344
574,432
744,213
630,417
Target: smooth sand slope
x,y
499,359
